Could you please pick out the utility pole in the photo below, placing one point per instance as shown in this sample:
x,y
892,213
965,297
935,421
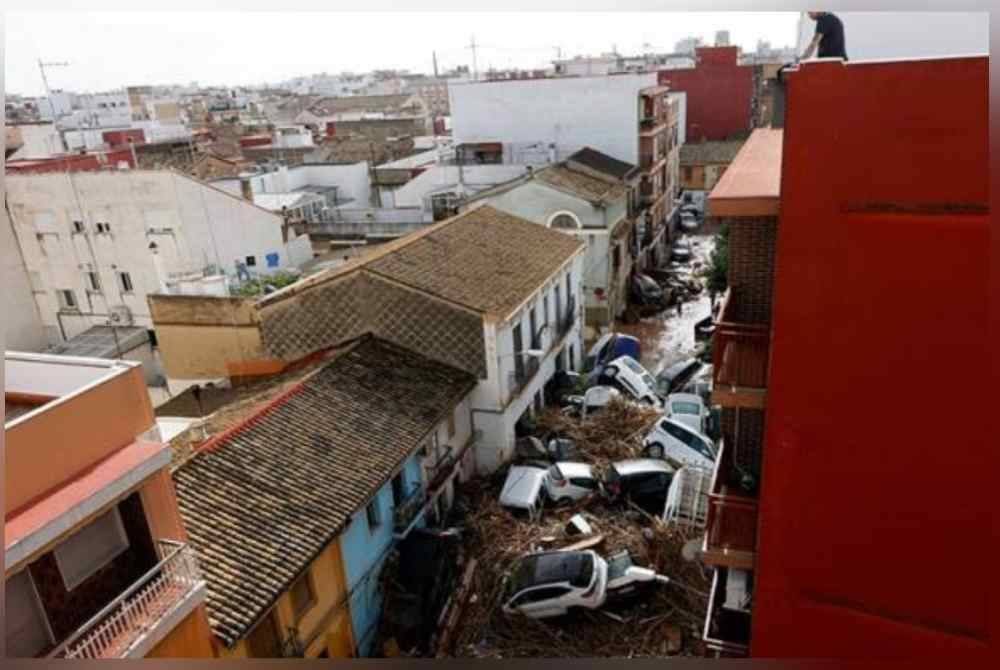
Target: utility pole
x,y
45,80
475,70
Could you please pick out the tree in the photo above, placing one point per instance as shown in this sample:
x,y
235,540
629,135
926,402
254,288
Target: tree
x,y
718,269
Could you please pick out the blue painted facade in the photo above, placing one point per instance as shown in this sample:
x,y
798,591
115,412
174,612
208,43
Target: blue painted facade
x,y
365,549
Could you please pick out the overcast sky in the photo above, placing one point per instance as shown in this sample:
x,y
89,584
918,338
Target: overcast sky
x,y
115,49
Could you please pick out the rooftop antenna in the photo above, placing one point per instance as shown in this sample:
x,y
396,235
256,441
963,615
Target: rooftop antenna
x,y
475,70
45,80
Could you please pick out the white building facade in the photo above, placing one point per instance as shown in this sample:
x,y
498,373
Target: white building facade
x,y
551,321
95,245
563,113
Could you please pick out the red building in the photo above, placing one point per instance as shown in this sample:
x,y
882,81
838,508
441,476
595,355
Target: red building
x,y
850,507
719,93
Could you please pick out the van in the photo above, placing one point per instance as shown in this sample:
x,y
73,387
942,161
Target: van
x,y
628,375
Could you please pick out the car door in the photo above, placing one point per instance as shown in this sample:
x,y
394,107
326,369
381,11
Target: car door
x,y
545,601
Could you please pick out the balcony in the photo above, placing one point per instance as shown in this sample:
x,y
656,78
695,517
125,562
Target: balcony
x,y
740,353
131,624
408,509
731,523
567,319
727,621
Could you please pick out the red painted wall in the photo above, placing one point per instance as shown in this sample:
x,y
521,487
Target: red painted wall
x,y
719,93
116,138
877,487
72,163
255,140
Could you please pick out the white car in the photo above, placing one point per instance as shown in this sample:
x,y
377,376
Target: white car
x,y
549,584
522,490
678,444
626,373
569,482
562,482
687,408
592,401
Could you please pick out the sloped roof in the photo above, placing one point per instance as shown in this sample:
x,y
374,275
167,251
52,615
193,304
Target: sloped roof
x,y
483,259
261,503
358,103
602,162
586,186
709,153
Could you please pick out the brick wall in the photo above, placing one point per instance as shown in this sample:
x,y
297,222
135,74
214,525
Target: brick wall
x,y
751,268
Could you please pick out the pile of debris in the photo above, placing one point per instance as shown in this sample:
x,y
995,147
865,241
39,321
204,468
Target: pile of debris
x,y
615,434
667,622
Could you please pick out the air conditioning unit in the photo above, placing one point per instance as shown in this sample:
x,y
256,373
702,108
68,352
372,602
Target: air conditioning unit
x,y
120,315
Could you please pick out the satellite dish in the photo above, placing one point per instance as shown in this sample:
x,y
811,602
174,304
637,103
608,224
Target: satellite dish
x,y
691,549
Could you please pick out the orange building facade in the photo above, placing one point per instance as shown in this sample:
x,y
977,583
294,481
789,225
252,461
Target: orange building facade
x,y
97,564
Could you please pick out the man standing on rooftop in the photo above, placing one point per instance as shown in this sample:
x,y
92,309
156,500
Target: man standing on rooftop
x,y
829,37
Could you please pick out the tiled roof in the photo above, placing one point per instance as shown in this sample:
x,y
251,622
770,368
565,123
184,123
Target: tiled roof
x,y
709,153
602,162
358,103
584,185
262,502
483,259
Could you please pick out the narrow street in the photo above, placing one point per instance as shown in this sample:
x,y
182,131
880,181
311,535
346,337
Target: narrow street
x,y
668,337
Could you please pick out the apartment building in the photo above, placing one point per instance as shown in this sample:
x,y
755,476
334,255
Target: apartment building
x,y
593,197
827,525
95,244
702,164
97,563
485,292
720,92
540,121
296,507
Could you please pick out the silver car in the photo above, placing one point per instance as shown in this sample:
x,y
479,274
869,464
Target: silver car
x,y
687,408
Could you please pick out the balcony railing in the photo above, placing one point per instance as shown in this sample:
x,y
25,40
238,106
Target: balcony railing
x,y
740,352
114,631
408,509
523,373
567,319
727,631
731,523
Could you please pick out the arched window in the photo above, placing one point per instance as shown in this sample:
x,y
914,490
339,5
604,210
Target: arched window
x,y
564,221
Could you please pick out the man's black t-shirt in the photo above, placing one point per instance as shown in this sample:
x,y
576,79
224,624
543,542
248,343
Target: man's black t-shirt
x,y
832,30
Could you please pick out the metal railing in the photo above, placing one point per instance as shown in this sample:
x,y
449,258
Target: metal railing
x,y
522,374
409,508
112,631
567,319
739,351
731,525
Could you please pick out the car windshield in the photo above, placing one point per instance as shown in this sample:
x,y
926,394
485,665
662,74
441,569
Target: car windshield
x,y
634,366
684,408
577,568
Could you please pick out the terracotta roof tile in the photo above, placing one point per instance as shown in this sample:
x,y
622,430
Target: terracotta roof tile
x,y
261,503
483,259
581,184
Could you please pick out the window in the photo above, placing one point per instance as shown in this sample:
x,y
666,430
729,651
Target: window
x,y
125,281
251,261
569,287
263,641
78,227
545,309
303,595
399,488
93,282
532,322
572,358
27,630
451,425
373,515
67,299
518,358
104,228
91,548
564,221
538,595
